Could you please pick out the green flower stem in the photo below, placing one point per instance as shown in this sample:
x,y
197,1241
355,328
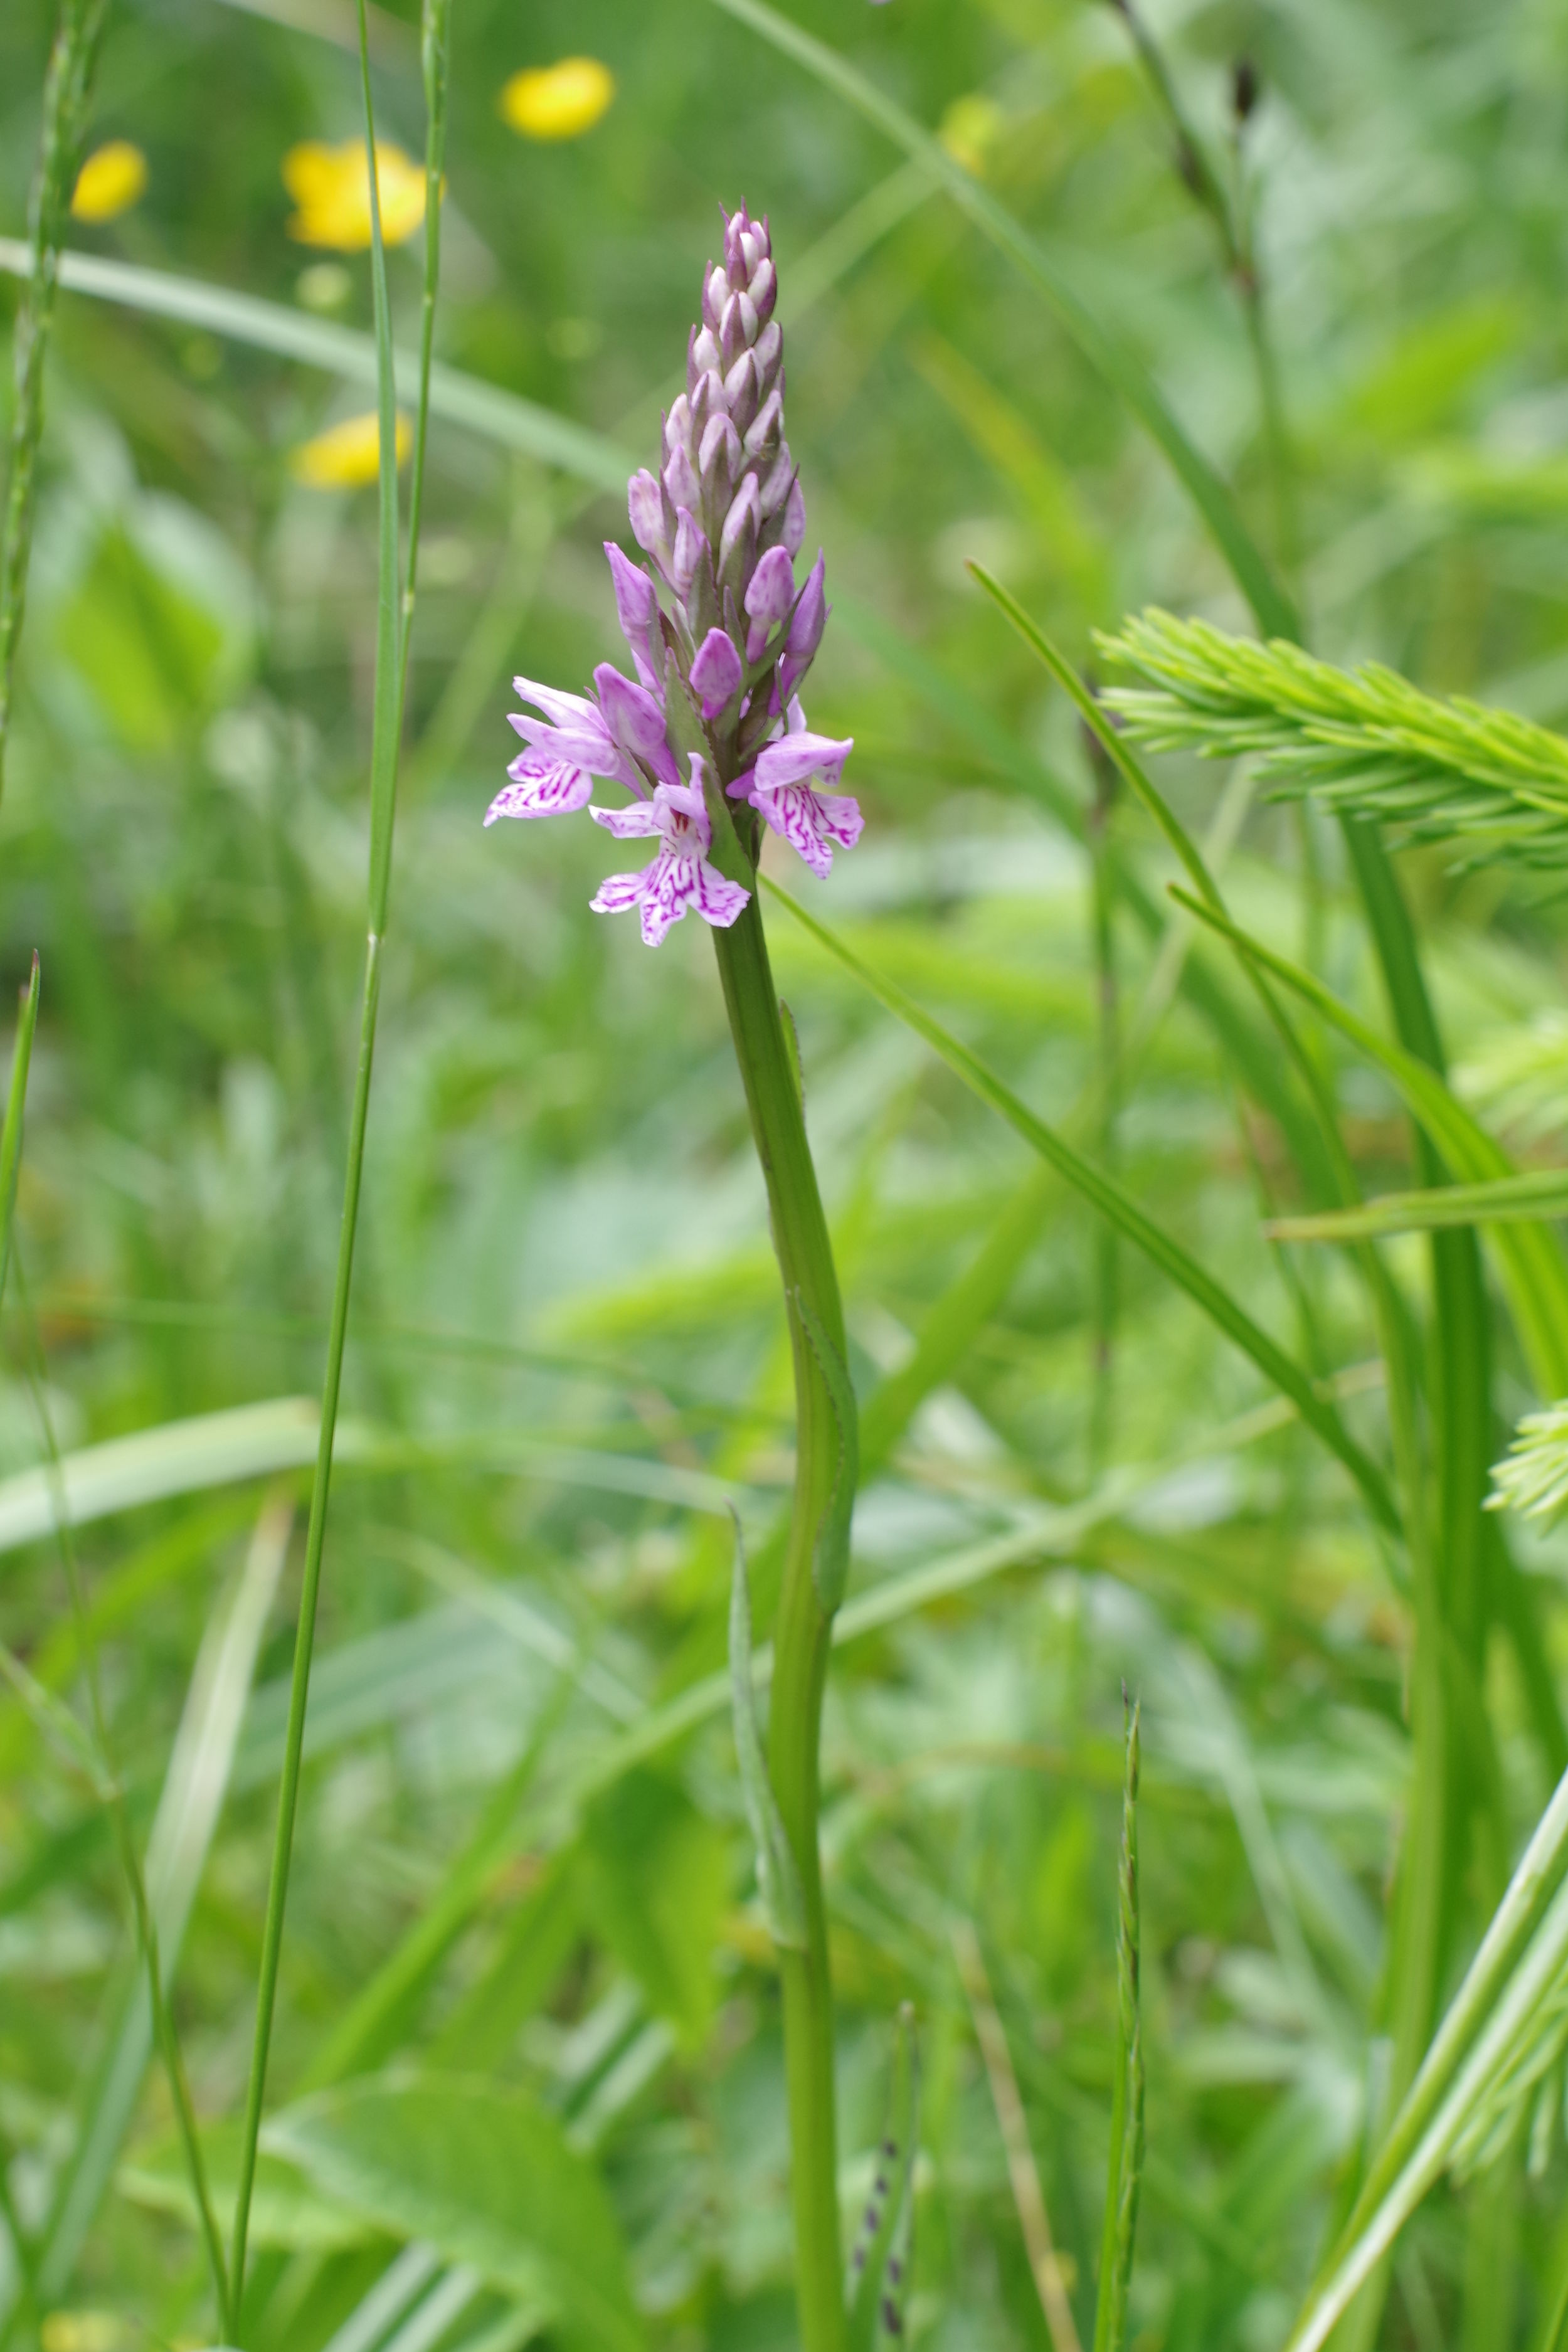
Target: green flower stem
x,y
803,1630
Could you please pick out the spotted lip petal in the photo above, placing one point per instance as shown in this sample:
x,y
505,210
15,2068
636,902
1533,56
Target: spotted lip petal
x,y
680,876
541,786
813,822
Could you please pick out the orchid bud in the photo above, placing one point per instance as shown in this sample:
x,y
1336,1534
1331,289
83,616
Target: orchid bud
x,y
794,518
720,448
633,715
767,354
768,599
742,390
764,290
681,481
776,484
766,430
678,425
690,546
805,630
645,506
716,672
715,294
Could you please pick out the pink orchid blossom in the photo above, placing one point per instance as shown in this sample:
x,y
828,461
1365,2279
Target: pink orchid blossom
x,y
681,875
579,739
784,789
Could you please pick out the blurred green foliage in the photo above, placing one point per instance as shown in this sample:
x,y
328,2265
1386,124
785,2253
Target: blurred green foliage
x,y
567,1344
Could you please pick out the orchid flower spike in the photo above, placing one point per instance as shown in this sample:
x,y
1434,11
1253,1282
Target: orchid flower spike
x,y
719,632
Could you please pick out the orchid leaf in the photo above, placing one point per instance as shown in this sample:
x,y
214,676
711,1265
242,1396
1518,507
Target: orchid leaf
x,y
778,1878
831,1559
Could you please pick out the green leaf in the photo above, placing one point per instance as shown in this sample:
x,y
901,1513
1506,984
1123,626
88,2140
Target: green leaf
x,y
830,1558
187,1817
485,2176
1110,1201
1531,1199
290,2210
656,1887
1530,1263
778,1877
1051,274
462,400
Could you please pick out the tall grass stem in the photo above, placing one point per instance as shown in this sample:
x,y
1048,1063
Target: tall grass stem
x,y
393,624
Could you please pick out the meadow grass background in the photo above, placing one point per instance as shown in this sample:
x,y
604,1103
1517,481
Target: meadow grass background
x,y
567,1346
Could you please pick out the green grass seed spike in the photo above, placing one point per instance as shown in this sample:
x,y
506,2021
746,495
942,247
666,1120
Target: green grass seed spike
x,y
877,2284
68,89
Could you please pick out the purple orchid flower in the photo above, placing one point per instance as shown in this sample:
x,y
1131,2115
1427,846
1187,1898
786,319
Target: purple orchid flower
x,y
784,788
577,739
720,637
681,875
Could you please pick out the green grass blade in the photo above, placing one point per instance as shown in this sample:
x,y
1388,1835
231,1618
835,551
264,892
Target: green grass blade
x,y
187,1816
385,744
1109,1201
1536,1196
1104,351
1534,1275
466,401
1410,2157
16,1105
73,61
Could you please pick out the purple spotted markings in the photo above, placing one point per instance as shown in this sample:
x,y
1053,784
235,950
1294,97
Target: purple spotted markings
x,y
721,637
681,875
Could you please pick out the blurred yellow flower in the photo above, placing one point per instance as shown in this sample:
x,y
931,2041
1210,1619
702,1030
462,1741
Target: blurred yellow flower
x,y
332,187
970,131
559,101
346,455
82,2331
111,180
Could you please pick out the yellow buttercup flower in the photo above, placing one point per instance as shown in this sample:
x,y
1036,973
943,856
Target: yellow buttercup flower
x,y
332,187
113,179
971,130
346,455
559,101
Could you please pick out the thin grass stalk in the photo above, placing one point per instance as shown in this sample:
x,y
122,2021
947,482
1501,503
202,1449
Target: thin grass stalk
x,y
1119,2235
24,2248
16,1106
144,1925
1108,1024
390,674
68,88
